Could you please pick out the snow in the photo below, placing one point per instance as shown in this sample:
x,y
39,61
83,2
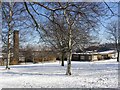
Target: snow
x,y
97,74
103,52
106,52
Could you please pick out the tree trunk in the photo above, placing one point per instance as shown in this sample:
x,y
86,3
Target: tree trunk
x,y
8,51
69,54
118,56
68,72
62,59
9,33
117,48
69,64
43,59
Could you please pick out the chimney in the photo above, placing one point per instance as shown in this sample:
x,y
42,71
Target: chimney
x,y
15,48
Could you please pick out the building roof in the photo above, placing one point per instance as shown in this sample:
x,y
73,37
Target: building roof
x,y
107,52
94,53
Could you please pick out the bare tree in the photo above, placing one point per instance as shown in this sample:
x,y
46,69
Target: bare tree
x,y
14,17
118,58
114,35
28,54
74,14
8,16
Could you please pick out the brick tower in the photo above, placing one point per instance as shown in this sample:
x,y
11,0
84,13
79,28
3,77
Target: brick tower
x,y
15,59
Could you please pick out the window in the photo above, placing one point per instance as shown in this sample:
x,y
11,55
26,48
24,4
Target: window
x,y
89,57
82,57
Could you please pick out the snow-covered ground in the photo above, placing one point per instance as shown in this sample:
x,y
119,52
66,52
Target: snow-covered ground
x,y
98,74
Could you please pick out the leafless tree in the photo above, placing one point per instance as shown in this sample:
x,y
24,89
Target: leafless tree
x,y
8,16
28,54
57,36
78,15
14,17
114,35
